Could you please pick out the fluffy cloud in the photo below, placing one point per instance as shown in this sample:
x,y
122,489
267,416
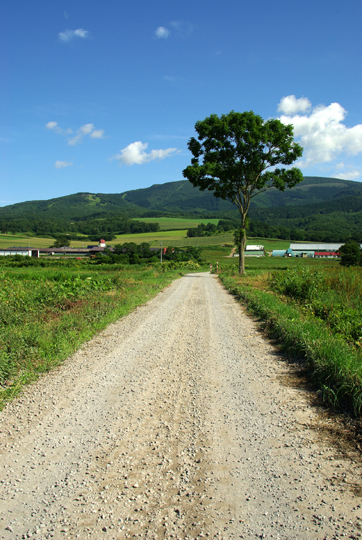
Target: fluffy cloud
x,y
52,125
135,153
61,164
69,35
87,129
292,105
321,132
162,32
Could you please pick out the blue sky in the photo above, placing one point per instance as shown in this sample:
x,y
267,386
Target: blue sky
x,y
103,96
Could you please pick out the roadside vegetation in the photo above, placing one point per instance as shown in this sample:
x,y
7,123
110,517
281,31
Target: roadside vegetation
x,y
314,309
50,306
47,311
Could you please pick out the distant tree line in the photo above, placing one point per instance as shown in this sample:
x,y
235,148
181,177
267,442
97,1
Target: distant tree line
x,y
132,253
93,227
210,229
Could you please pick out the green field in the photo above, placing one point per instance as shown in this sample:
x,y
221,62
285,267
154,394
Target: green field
x,y
20,240
175,238
168,224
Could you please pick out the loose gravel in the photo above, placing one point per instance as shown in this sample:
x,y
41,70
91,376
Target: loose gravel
x,y
174,422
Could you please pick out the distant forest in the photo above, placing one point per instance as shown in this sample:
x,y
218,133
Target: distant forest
x,y
93,228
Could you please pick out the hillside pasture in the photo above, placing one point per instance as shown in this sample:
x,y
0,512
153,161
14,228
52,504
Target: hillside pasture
x,y
22,240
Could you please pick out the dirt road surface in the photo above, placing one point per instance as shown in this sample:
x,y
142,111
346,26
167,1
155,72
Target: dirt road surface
x,y
177,421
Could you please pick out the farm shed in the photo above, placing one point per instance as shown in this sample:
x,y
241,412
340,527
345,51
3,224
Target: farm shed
x,y
278,252
254,251
319,247
24,251
71,251
326,254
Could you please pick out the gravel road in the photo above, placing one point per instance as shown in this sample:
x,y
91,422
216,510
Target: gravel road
x,y
178,421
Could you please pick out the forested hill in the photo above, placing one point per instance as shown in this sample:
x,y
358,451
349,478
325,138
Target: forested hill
x,y
178,197
324,209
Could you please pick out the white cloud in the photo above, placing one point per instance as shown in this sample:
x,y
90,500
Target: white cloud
x,y
69,35
61,164
322,132
351,175
54,127
97,134
135,153
162,32
87,129
292,105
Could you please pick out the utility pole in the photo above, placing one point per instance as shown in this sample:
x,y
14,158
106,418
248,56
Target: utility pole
x,y
161,251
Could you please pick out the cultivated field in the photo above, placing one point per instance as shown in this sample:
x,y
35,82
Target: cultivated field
x,y
21,240
175,238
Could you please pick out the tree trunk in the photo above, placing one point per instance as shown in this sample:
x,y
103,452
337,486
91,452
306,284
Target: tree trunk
x,y
242,254
242,242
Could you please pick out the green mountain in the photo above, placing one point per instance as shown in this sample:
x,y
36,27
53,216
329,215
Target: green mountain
x,y
75,206
316,205
178,197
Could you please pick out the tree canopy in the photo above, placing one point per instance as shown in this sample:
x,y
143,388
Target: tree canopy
x,y
236,156
351,253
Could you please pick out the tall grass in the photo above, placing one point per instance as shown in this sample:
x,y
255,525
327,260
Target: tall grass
x,y
45,314
334,295
316,314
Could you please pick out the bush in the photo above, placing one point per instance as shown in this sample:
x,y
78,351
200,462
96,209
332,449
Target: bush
x,y
350,253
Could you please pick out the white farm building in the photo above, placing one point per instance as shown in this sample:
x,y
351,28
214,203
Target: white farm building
x,y
317,250
252,251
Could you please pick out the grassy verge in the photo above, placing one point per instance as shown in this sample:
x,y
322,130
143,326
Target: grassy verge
x,y
332,355
47,313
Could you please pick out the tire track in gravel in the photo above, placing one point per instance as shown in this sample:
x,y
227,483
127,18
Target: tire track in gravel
x,y
173,423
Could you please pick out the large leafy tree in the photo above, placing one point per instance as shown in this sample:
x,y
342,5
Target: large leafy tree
x,y
237,156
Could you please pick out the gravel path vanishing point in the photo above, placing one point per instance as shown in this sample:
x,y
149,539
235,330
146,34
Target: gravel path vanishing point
x,y
175,422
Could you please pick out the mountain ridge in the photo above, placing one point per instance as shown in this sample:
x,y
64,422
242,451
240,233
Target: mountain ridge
x,y
177,197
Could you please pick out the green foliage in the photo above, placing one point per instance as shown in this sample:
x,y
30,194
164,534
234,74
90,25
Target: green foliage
x,y
318,324
210,229
333,295
236,151
61,241
132,253
231,158
46,313
351,253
